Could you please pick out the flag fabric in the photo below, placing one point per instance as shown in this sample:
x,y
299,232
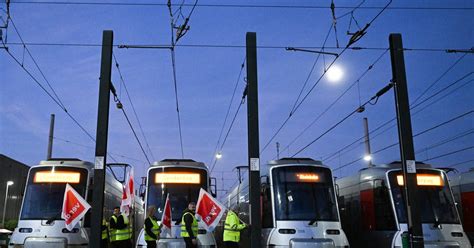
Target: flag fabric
x,y
166,218
208,210
74,207
127,194
125,204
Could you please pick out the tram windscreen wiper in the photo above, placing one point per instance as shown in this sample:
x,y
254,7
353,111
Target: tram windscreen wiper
x,y
313,221
51,219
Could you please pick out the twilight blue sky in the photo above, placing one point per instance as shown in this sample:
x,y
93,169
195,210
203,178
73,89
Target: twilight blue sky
x,y
206,78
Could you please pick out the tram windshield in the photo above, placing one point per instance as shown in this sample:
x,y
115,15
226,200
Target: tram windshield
x,y
45,191
435,199
182,185
304,193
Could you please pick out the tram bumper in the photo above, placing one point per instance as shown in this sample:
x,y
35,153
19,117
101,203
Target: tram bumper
x,y
313,243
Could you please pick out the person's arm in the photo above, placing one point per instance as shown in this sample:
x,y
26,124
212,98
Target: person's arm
x,y
238,226
120,223
149,227
103,227
113,224
188,221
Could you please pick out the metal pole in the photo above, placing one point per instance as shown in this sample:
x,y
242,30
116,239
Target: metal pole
x,y
405,135
278,150
367,142
5,206
50,140
101,139
253,140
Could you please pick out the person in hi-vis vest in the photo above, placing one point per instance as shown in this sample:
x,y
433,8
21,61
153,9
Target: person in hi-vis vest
x,y
189,226
120,233
232,228
152,229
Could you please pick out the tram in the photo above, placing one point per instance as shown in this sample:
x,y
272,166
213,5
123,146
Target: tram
x,y
299,207
373,211
182,179
40,223
463,190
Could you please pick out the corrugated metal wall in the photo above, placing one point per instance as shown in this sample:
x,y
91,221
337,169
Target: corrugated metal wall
x,y
12,170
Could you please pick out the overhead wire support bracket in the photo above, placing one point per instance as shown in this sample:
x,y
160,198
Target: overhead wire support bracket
x,y
460,50
145,47
310,51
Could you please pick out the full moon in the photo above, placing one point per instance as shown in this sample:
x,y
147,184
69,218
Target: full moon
x,y
334,73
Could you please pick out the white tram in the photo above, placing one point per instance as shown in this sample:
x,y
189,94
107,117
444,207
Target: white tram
x,y
373,210
463,190
299,207
182,179
40,223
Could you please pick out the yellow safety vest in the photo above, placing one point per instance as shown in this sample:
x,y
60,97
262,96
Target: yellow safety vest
x,y
125,233
194,226
112,231
155,229
232,227
105,232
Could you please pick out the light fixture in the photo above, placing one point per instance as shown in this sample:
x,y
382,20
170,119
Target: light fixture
x,y
9,183
368,157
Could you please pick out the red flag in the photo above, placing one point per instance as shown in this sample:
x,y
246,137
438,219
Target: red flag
x,y
209,210
166,217
74,207
127,194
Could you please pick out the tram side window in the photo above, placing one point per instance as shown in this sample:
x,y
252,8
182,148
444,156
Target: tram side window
x,y
267,216
385,218
377,208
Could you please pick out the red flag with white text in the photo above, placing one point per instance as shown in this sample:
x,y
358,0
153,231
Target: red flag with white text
x,y
74,207
166,218
208,210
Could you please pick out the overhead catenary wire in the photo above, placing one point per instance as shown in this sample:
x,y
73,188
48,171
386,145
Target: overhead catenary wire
x,y
414,136
357,110
121,107
450,153
117,65
431,98
307,7
228,110
357,36
93,148
56,99
242,101
339,152
370,67
460,135
36,64
226,46
175,81
460,163
412,107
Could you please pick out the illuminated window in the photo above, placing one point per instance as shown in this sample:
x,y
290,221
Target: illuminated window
x,y
57,177
424,180
183,177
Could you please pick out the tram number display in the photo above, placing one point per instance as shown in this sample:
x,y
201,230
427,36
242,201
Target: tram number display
x,y
178,177
57,177
424,180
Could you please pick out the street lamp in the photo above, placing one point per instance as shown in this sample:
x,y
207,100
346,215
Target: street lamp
x,y
9,183
368,157
219,155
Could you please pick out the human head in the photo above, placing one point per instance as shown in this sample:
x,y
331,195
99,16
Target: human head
x,y
116,210
192,206
151,210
